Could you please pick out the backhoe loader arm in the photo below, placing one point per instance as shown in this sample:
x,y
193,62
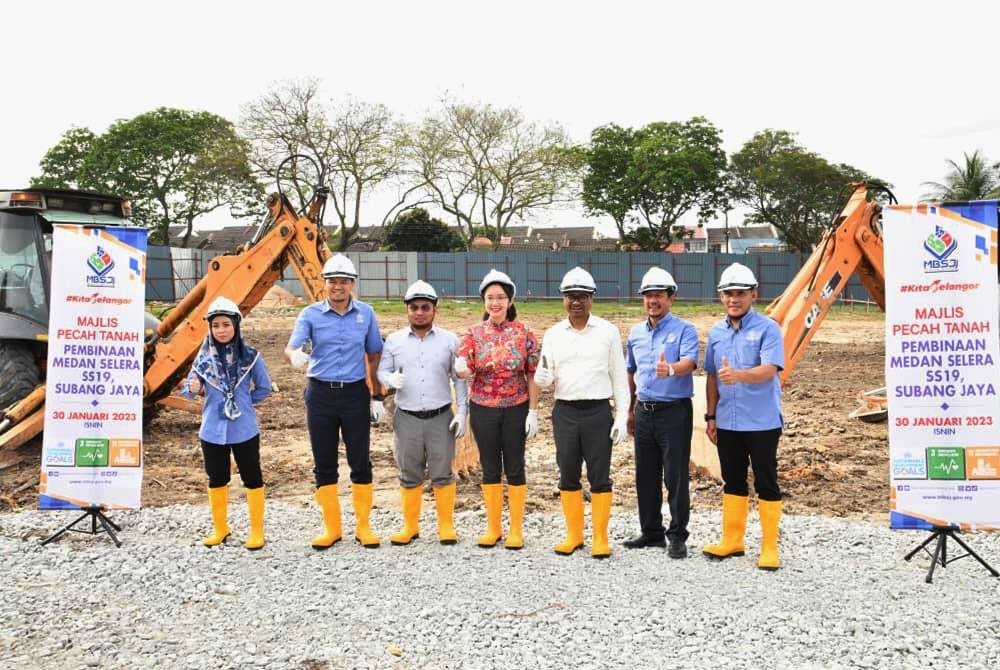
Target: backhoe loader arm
x,y
852,245
285,238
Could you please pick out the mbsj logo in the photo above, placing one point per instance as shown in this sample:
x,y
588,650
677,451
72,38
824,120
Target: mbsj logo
x,y
940,245
101,264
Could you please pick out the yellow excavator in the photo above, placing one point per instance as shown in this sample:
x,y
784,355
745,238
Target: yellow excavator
x,y
284,237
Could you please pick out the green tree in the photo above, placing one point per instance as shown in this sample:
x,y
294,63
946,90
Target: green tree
x,y
651,176
797,191
62,163
415,230
976,179
486,166
174,165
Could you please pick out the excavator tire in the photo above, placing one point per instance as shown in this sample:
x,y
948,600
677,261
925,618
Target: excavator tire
x,y
19,373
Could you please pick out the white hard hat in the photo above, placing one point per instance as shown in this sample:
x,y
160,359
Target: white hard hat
x,y
497,277
577,279
339,266
657,279
223,307
421,290
737,276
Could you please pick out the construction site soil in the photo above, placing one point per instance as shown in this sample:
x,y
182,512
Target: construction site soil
x,y
827,463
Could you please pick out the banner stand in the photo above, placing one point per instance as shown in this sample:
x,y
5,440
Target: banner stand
x,y
940,555
96,514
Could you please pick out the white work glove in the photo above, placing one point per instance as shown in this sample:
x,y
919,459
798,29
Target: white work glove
x,y
531,424
457,425
378,411
300,359
396,379
619,430
461,367
544,376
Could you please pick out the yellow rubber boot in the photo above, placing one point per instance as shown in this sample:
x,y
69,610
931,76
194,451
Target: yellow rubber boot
x,y
411,515
362,495
600,513
218,502
515,502
734,528
572,506
328,498
770,517
444,501
255,510
493,495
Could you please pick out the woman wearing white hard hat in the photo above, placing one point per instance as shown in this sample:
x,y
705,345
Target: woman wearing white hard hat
x,y
499,357
744,354
233,378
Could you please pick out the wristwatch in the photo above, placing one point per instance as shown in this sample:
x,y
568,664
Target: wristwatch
x,y
380,397
709,417
670,369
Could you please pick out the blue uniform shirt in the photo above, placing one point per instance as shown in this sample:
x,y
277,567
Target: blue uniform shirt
x,y
253,387
758,341
339,343
674,337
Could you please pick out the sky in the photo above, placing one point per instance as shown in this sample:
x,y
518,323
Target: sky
x,y
893,88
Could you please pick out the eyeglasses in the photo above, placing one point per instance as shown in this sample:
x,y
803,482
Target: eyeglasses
x,y
419,306
576,297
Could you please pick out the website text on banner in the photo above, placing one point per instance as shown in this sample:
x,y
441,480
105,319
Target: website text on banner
x,y
92,446
942,365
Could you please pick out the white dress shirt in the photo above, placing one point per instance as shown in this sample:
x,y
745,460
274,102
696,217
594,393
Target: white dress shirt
x,y
587,364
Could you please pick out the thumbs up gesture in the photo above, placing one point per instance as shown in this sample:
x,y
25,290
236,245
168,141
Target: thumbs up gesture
x,y
543,375
664,369
727,375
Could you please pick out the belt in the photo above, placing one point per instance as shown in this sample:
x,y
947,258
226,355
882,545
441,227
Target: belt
x,y
426,414
336,385
654,406
584,404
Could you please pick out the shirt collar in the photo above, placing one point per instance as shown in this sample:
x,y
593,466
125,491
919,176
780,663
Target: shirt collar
x,y
409,331
746,320
569,326
662,323
327,308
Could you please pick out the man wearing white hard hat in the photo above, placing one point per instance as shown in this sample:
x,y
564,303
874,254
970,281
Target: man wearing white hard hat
x,y
418,361
344,335
582,356
744,355
662,354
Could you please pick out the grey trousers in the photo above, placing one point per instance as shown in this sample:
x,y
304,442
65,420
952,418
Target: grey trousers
x,y
423,444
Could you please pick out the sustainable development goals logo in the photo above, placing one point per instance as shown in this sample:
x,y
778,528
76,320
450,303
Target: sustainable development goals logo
x,y
100,264
940,245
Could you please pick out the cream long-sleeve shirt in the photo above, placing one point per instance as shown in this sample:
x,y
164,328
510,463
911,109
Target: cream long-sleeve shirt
x,y
587,364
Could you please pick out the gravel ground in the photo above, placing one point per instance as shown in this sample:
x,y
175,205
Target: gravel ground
x,y
845,598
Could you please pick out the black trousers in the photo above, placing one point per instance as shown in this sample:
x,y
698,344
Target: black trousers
x,y
662,456
247,456
759,448
582,431
499,433
330,414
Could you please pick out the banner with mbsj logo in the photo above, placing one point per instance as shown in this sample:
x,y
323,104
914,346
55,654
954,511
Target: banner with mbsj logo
x,y
92,445
942,365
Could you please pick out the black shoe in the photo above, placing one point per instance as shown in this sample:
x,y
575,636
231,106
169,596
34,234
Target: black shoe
x,y
677,549
643,541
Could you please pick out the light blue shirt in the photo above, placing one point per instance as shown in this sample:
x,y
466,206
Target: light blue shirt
x,y
427,363
252,389
674,337
758,341
339,342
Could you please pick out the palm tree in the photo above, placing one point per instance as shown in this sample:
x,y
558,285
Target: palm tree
x,y
976,180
